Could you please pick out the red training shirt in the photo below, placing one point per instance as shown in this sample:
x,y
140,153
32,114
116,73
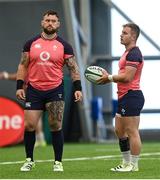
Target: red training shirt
x,y
131,57
47,58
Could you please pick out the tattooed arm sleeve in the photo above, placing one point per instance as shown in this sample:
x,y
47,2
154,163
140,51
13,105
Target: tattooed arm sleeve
x,y
23,66
73,68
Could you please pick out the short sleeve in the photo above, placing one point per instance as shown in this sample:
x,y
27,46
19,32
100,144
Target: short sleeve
x,y
134,55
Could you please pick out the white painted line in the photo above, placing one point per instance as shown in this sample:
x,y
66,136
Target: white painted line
x,y
85,158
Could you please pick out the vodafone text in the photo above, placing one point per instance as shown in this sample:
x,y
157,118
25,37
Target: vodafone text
x,y
13,122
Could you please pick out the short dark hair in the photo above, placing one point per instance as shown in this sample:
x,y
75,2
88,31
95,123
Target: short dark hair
x,y
51,12
134,27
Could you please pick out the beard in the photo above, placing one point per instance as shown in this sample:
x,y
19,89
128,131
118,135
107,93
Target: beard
x,y
50,32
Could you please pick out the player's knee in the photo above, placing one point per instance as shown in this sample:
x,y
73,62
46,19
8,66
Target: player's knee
x,y
117,132
56,126
130,131
29,126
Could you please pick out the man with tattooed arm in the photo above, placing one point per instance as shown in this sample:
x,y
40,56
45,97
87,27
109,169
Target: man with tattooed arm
x,y
41,65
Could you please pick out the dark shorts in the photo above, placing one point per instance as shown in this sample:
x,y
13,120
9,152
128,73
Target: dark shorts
x,y
36,99
131,103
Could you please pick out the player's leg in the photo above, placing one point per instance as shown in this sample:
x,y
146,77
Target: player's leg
x,y
132,129
40,139
132,106
123,142
31,118
33,110
55,117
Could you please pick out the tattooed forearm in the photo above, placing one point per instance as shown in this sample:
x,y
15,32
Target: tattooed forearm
x,y
73,68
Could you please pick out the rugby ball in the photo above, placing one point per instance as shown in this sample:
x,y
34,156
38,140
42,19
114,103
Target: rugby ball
x,y
93,73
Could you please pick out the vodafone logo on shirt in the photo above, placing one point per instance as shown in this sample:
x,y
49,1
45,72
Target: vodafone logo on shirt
x,y
44,56
11,122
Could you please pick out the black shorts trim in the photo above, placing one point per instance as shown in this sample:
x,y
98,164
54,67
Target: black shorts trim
x,y
131,103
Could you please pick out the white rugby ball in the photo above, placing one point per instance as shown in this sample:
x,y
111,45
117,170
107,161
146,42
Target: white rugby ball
x,y
92,73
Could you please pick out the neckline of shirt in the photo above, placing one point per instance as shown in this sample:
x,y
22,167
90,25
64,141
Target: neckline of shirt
x,y
49,38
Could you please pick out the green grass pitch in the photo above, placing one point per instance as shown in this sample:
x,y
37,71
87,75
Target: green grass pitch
x,y
80,161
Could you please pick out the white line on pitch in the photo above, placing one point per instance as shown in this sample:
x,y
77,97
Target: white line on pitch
x,y
83,158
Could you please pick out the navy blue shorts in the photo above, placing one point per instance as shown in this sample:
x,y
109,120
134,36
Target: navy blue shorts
x,y
36,99
131,103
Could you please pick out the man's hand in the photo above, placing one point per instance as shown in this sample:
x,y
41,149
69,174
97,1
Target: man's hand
x,y
78,96
1,75
21,94
4,75
104,79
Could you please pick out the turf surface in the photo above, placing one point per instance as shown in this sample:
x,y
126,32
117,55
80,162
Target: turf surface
x,y
80,161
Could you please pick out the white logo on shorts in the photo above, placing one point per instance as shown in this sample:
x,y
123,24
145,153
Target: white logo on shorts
x,y
60,96
28,104
123,111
